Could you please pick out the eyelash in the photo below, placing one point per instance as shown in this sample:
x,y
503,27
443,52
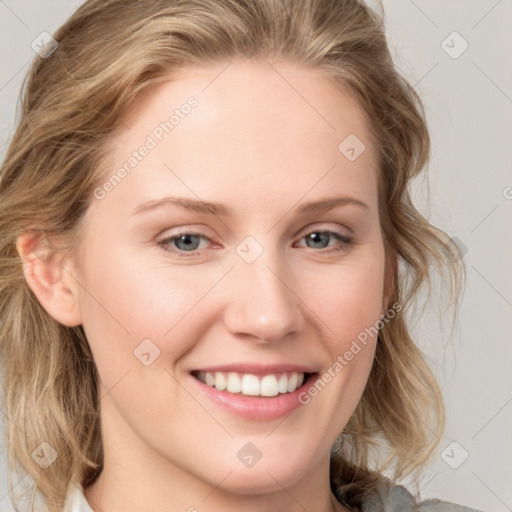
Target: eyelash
x,y
345,240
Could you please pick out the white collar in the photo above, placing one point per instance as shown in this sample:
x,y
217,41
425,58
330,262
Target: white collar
x,y
75,500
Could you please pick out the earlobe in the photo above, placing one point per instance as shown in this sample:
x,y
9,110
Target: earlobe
x,y
46,274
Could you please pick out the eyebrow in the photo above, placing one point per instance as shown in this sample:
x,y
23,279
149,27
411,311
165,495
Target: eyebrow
x,y
318,206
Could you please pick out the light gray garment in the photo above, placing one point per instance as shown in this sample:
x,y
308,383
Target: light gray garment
x,y
399,499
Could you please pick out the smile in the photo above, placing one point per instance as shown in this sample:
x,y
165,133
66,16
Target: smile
x,y
253,391
249,384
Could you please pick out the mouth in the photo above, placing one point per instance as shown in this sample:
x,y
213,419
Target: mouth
x,y
255,392
267,385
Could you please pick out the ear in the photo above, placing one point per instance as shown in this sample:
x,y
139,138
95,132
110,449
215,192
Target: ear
x,y
47,274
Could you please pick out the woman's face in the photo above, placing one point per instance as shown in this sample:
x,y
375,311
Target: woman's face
x,y
252,292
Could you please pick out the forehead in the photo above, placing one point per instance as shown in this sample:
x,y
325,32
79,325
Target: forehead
x,y
255,130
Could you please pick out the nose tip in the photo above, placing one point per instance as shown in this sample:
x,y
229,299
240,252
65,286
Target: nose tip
x,y
261,303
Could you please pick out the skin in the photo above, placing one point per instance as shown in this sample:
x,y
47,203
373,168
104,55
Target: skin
x,y
261,142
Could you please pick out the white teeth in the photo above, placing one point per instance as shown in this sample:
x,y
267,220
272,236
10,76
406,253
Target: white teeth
x,y
269,386
253,385
234,383
210,379
282,385
220,381
292,382
250,385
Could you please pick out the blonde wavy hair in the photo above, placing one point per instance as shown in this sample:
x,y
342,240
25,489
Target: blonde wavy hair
x,y
109,53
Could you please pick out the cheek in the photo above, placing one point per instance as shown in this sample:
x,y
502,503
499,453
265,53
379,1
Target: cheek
x,y
350,301
350,307
126,302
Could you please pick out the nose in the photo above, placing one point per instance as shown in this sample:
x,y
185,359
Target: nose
x,y
261,303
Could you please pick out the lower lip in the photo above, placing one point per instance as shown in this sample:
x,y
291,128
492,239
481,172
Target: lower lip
x,y
255,407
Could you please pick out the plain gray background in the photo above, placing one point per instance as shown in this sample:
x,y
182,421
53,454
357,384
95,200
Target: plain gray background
x,y
468,98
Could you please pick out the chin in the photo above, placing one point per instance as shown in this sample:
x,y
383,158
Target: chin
x,y
268,474
259,481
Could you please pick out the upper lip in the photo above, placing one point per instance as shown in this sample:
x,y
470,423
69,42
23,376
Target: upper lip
x,y
257,369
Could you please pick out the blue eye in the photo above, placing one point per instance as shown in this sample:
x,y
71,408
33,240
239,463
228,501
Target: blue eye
x,y
187,243
319,237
